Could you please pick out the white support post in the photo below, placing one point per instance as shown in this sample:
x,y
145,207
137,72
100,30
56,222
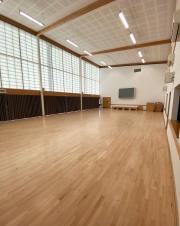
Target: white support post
x,y
40,77
81,76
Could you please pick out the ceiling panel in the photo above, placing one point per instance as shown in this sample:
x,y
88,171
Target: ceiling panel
x,y
101,29
154,53
45,11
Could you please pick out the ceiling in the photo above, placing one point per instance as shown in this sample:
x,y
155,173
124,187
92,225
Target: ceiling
x,y
154,53
149,20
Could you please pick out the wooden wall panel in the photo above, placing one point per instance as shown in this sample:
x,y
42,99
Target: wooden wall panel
x,y
90,102
55,104
23,106
19,106
3,113
73,103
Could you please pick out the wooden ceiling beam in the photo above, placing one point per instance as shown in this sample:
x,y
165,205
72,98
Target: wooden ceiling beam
x,y
136,46
75,15
136,64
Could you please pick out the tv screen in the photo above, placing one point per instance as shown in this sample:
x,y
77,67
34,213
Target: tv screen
x,y
127,93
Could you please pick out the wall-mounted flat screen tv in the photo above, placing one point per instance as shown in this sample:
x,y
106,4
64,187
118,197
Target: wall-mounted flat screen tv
x,y
127,93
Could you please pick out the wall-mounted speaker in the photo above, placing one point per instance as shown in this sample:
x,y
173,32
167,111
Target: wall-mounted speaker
x,y
137,70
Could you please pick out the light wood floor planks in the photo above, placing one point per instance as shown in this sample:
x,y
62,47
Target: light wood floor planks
x,y
96,168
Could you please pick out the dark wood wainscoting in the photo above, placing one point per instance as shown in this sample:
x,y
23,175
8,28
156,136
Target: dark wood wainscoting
x,y
90,102
59,104
18,104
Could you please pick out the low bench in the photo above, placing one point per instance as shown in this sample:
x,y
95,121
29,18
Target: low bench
x,y
125,107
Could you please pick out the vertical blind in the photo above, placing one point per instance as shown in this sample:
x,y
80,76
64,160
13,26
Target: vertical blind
x,y
60,69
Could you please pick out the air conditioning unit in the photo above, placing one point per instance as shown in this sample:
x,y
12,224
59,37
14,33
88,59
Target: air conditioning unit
x,y
170,59
137,70
169,77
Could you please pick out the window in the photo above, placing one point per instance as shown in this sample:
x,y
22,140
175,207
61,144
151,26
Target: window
x,y
46,66
58,80
90,78
10,64
9,36
60,69
11,76
57,64
29,47
29,60
30,75
76,74
19,65
19,58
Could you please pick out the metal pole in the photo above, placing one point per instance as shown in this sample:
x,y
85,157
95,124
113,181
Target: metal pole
x,y
81,74
40,77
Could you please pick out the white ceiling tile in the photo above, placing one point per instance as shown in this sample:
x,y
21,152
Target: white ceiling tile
x,y
101,29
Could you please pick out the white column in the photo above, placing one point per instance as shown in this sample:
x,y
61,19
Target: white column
x,y
40,77
81,80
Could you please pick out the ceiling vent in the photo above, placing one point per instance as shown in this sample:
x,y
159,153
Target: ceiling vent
x,y
137,70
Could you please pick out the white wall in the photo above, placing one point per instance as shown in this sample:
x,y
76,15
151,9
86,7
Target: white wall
x,y
148,83
177,4
176,66
175,93
176,166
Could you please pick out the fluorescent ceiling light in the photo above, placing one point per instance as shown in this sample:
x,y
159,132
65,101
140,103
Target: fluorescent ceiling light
x,y
132,38
143,61
123,19
30,18
109,67
102,62
72,43
140,54
87,53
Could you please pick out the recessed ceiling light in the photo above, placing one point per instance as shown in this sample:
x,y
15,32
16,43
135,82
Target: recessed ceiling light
x,y
132,38
109,67
143,61
87,53
72,43
1,1
30,18
140,54
123,19
102,62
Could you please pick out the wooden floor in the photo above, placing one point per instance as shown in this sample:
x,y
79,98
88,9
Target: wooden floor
x,y
107,168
